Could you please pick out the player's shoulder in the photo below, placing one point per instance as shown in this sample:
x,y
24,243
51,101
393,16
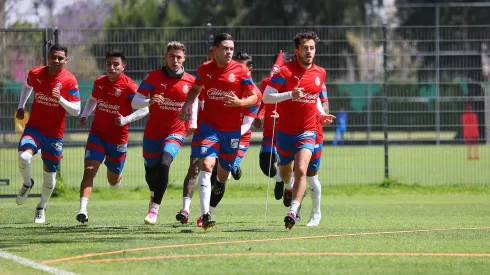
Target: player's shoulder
x,y
37,70
208,65
154,74
188,77
68,76
101,78
286,69
319,69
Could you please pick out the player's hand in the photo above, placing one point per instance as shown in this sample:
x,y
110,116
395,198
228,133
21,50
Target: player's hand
x,y
189,131
257,123
55,92
275,114
159,99
327,119
20,114
120,120
185,112
232,101
81,121
298,93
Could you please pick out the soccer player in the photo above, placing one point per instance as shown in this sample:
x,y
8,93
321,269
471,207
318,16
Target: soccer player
x,y
55,94
111,96
227,86
296,88
164,131
341,127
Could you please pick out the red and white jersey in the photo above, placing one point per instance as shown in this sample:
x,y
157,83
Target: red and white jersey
x,y
164,117
113,98
298,115
267,111
47,115
323,98
234,78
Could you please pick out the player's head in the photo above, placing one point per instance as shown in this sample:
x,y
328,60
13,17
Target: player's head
x,y
57,57
210,54
305,47
224,47
114,63
245,59
175,55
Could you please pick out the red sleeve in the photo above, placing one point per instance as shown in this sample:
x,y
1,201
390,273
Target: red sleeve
x,y
201,71
278,79
73,92
147,85
247,83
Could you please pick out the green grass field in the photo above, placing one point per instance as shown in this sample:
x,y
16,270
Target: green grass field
x,y
363,234
426,165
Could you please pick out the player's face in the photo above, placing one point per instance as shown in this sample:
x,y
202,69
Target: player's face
x,y
174,59
56,60
114,67
306,51
224,52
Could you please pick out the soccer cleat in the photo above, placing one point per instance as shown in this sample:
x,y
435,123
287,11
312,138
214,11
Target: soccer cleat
x,y
207,221
314,220
199,222
236,174
278,190
151,218
24,192
82,216
39,218
290,220
288,197
182,217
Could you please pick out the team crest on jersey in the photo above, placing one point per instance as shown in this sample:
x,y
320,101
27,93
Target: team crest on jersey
x,y
231,77
117,93
276,69
57,145
234,142
185,89
317,81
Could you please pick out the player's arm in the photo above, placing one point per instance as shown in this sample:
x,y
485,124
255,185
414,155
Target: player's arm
x,y
246,124
192,96
71,103
140,99
195,110
24,96
136,115
90,106
272,94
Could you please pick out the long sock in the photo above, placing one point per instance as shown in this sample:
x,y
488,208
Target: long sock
x,y
290,184
294,207
216,198
315,188
48,188
204,183
186,204
83,203
277,177
25,167
161,186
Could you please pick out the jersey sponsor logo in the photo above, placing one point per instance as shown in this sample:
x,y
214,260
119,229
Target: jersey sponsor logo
x,y
171,105
234,142
46,100
307,98
231,77
317,81
216,94
117,93
58,146
185,89
106,107
122,148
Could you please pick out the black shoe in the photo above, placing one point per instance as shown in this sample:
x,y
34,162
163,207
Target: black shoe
x,y
207,221
236,174
278,190
82,217
288,197
289,221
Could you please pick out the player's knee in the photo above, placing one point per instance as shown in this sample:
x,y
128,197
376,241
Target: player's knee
x,y
89,172
267,164
166,160
114,179
25,158
49,179
208,164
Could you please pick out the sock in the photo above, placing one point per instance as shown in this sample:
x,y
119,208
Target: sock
x,y
204,183
277,177
155,207
186,204
25,167
83,203
216,198
116,186
48,188
152,194
294,207
211,209
315,188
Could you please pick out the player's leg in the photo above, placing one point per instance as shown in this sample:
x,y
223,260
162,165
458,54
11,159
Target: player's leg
x,y
337,135
115,160
476,147
29,144
151,154
267,161
188,190
342,133
51,153
236,171
314,186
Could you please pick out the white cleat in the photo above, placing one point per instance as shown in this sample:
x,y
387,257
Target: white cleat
x,y
24,193
151,218
314,220
40,218
82,216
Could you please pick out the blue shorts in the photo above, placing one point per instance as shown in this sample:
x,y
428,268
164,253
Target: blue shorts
x,y
316,158
267,146
115,154
217,144
195,146
153,149
289,145
51,148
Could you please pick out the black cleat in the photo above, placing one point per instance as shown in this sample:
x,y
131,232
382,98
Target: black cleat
x,y
82,217
236,174
289,220
288,197
207,221
278,190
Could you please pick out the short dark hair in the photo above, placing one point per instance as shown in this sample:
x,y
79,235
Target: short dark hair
x,y
220,38
243,56
175,45
59,48
210,49
305,35
115,53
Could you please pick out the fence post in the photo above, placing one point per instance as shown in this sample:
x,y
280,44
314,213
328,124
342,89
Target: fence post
x,y
385,99
210,37
438,77
56,36
45,50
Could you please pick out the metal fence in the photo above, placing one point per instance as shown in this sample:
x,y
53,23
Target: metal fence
x,y
404,90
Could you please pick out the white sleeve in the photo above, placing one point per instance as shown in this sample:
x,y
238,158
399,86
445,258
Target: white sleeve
x,y
271,95
24,95
195,107
319,106
136,115
73,108
140,101
90,106
246,124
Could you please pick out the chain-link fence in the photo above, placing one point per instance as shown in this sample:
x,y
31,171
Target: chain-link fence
x,y
403,91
